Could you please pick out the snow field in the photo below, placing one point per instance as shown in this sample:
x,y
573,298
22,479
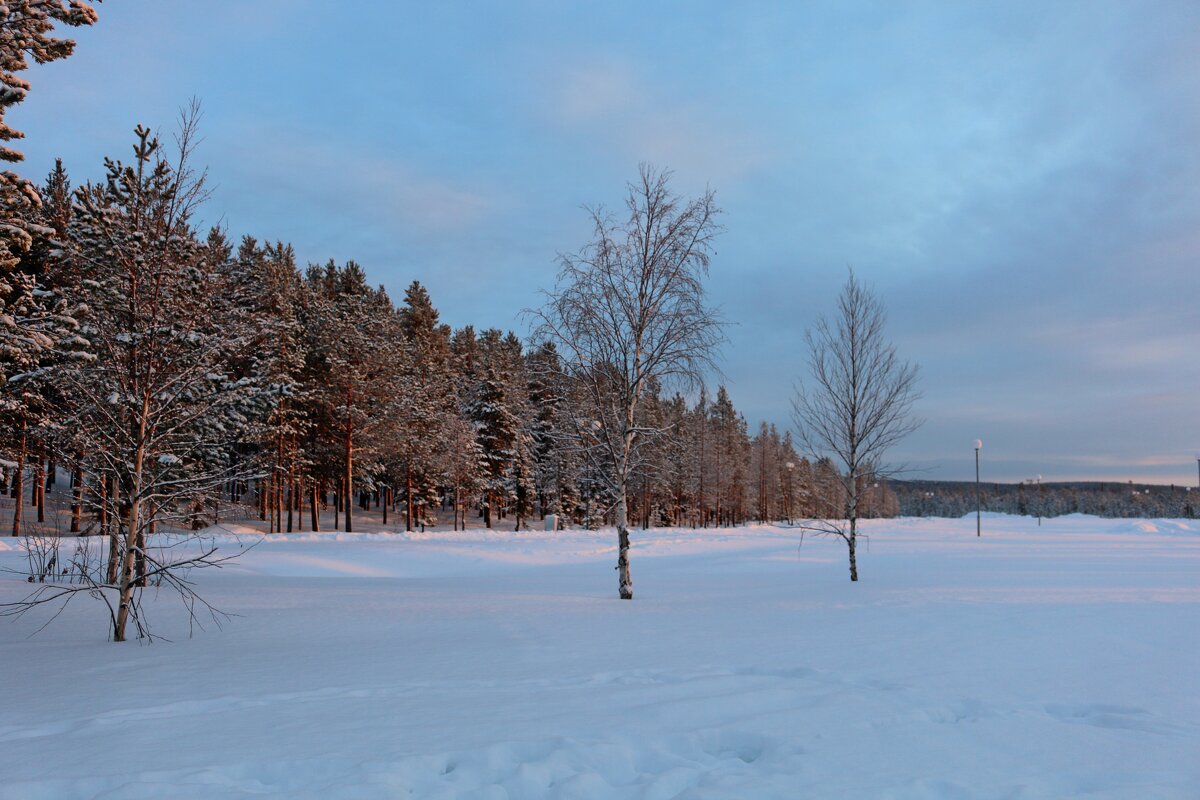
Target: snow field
x,y
1032,663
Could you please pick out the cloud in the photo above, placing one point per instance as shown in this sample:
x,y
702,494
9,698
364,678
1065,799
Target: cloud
x,y
616,108
355,189
597,92
1119,343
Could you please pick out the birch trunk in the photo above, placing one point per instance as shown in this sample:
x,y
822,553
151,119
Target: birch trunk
x,y
625,587
852,543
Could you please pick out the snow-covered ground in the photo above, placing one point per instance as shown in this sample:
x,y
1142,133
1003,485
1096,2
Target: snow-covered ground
x,y
1051,662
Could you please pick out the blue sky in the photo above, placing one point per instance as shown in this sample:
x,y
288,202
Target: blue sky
x,y
1020,182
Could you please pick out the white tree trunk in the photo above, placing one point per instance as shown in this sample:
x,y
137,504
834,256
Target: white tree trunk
x,y
625,581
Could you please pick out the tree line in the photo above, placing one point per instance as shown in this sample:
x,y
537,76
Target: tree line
x,y
919,498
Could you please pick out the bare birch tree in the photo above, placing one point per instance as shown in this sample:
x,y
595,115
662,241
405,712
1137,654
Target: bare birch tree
x,y
857,404
630,310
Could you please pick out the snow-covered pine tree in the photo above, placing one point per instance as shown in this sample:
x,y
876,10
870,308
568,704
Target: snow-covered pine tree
x,y
828,491
676,460
33,321
551,438
649,464
522,485
156,401
497,430
792,478
38,329
729,457
25,33
465,467
59,282
225,440
277,363
764,474
25,28
352,335
426,407
700,439
465,362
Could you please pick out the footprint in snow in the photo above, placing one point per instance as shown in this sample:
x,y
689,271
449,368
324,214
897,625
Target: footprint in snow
x,y
1102,715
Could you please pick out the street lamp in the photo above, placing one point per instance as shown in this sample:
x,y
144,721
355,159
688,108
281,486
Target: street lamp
x,y
978,514
1040,502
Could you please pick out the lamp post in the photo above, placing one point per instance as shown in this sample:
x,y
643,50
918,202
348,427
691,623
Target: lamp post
x,y
1040,503
978,514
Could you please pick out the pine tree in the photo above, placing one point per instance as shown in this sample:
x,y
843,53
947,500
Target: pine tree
x,y
677,460
549,430
426,409
277,296
792,479
25,28
497,430
723,424
351,329
702,453
34,320
156,399
38,330
522,487
465,466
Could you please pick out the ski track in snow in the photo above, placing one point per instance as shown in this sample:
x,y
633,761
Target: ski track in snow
x,y
1035,663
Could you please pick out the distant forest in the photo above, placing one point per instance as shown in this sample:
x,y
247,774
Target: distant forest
x,y
1103,499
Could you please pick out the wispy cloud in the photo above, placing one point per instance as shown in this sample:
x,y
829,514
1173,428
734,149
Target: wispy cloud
x,y
617,106
386,190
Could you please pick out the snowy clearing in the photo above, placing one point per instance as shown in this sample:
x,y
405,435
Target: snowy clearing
x,y
1048,662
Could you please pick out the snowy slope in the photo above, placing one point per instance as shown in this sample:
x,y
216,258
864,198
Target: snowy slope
x,y
1047,662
